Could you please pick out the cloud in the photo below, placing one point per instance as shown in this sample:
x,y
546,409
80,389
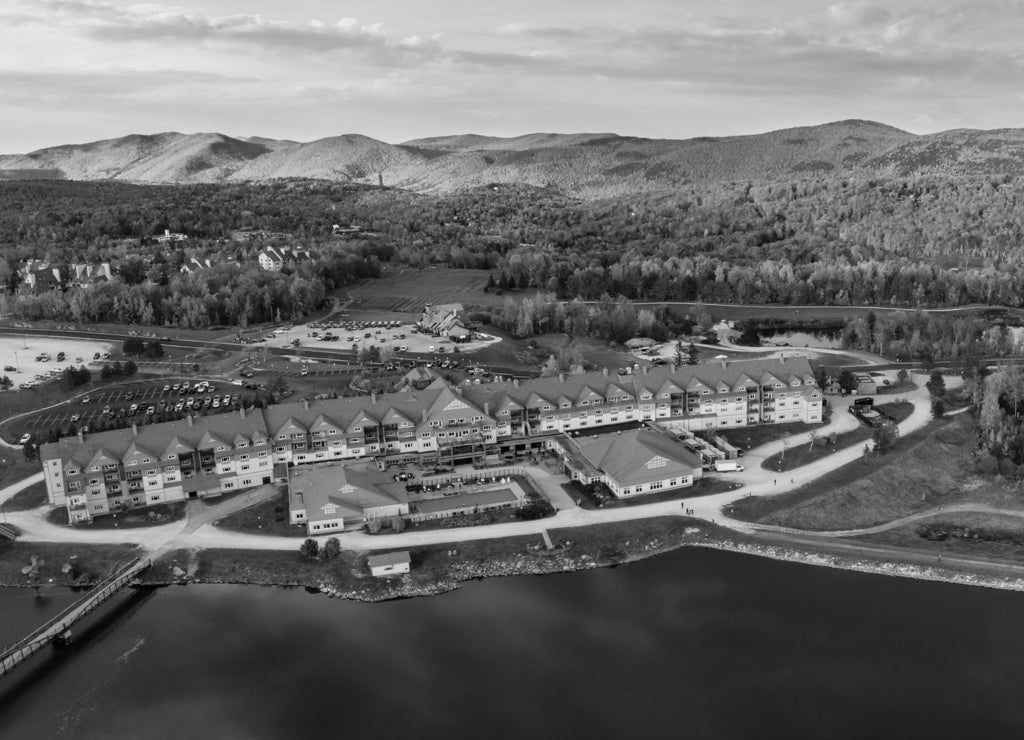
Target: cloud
x,y
148,24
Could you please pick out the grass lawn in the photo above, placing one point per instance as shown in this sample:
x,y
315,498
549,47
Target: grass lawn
x,y
148,516
748,438
91,562
932,467
28,498
988,536
268,517
14,467
802,454
410,289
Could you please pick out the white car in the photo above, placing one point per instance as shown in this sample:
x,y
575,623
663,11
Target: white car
x,y
25,439
237,382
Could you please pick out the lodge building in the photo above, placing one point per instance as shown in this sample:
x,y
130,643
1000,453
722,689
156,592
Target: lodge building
x,y
441,424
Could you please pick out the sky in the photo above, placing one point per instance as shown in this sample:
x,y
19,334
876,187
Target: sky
x,y
73,71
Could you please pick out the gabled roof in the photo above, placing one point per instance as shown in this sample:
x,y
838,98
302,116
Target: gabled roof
x,y
290,426
176,447
696,385
638,456
536,401
322,424
211,439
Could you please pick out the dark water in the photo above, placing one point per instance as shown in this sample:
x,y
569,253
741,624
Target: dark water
x,y
693,644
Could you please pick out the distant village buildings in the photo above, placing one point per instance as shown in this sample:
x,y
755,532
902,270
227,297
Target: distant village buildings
x,y
40,276
275,258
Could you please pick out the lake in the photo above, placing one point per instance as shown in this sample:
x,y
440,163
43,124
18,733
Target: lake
x,y
695,643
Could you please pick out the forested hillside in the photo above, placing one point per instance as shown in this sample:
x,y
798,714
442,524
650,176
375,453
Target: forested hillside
x,y
919,241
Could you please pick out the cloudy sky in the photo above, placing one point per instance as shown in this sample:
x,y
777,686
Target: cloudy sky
x,y
80,70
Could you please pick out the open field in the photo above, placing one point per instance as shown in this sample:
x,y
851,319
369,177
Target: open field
x,y
409,290
21,353
930,468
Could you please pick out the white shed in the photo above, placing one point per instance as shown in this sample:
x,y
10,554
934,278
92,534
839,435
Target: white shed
x,y
389,563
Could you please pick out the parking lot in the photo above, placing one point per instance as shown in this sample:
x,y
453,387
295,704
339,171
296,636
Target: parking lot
x,y
116,403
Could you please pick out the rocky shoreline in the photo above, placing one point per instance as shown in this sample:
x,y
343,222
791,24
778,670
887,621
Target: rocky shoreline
x,y
576,558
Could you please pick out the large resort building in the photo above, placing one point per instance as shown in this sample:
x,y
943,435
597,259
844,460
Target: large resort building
x,y
441,424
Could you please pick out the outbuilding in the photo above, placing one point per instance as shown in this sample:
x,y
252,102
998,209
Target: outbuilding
x,y
389,564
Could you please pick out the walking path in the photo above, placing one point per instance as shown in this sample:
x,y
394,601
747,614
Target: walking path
x,y
197,530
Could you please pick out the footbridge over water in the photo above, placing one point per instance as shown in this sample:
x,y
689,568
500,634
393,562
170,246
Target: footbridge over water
x,y
17,653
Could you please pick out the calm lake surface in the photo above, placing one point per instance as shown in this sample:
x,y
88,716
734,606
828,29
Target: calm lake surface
x,y
697,644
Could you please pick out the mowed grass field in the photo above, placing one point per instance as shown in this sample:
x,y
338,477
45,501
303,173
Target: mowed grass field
x,y
409,290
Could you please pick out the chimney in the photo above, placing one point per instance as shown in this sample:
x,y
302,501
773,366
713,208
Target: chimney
x,y
515,382
241,412
81,436
561,377
606,372
672,368
424,415
725,364
135,429
646,369
458,389
305,403
189,417
487,408
373,397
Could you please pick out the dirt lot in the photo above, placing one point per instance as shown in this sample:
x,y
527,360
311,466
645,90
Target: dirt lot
x,y
21,352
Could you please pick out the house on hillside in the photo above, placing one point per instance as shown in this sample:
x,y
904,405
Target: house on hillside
x,y
275,258
171,237
444,321
630,462
84,274
38,276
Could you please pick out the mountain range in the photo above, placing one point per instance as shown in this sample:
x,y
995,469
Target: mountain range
x,y
581,165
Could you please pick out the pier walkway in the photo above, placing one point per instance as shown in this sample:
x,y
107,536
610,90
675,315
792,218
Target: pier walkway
x,y
17,653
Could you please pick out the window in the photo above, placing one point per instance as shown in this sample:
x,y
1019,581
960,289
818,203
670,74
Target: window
x,y
133,462
221,448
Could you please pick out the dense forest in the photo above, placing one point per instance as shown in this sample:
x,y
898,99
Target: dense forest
x,y
917,242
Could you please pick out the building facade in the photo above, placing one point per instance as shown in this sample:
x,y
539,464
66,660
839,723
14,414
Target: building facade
x,y
438,425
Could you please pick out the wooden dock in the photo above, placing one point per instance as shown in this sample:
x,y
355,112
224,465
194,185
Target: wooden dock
x,y
17,653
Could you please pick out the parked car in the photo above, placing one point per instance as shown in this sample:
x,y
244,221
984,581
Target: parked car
x,y
106,410
10,369
237,382
86,399
75,417
25,439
